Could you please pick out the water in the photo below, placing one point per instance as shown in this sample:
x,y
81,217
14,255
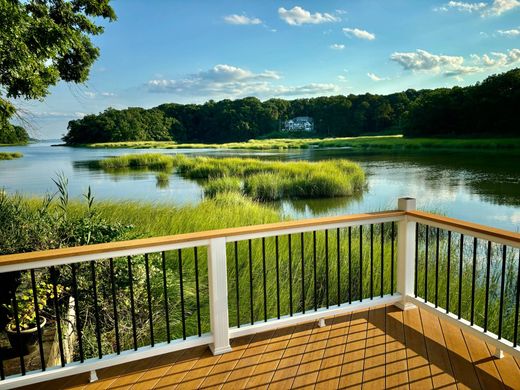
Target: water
x,y
482,188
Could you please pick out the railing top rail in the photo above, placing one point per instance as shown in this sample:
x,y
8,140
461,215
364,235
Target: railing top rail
x,y
457,224
197,237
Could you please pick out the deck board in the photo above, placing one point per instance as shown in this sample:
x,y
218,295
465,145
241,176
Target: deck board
x,y
376,348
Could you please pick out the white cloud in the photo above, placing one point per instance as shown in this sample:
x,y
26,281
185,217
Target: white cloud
x,y
232,81
337,46
342,78
514,32
497,7
361,34
108,94
462,6
500,6
297,16
375,77
90,95
454,66
241,20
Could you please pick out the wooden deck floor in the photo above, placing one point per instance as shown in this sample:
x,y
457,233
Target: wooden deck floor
x,y
377,348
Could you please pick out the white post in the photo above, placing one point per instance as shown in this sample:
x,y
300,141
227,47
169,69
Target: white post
x,y
218,296
405,254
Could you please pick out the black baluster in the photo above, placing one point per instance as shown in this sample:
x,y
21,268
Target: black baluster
x,y
327,268
251,283
461,259
277,256
38,323
290,275
76,310
371,261
426,264
448,276
237,284
181,288
382,258
437,267
149,298
473,276
360,263
265,282
114,305
349,264
165,288
303,271
392,259
197,289
502,287
416,273
315,273
488,271
132,303
96,310
338,267
517,303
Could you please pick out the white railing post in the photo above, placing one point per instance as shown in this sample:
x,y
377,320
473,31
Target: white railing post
x,y
218,295
405,254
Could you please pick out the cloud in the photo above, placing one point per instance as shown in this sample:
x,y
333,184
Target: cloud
x,y
514,32
90,95
342,78
337,46
361,34
462,6
496,8
107,94
500,6
232,81
454,66
297,16
375,77
241,20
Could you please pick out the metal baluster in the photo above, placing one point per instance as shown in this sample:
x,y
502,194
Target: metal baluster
x,y
114,305
96,313
461,259
149,298
349,264
382,258
237,284
371,261
392,259
488,271
327,268
181,288
338,267
303,271
290,275
132,303
437,268
448,274
76,310
360,263
517,303
277,255
315,273
265,283
251,283
165,288
473,276
502,287
416,273
38,324
196,256
426,265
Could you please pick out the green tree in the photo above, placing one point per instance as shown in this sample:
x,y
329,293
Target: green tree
x,y
43,42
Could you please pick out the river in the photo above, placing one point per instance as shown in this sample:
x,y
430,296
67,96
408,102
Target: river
x,y
482,188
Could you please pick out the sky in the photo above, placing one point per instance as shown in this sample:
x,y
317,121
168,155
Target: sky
x,y
194,51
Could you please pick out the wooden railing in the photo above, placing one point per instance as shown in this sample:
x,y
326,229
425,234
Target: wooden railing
x,y
141,298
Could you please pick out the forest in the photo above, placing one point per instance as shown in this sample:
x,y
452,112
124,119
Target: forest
x,y
483,109
11,134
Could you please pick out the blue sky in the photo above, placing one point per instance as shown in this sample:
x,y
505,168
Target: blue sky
x,y
193,51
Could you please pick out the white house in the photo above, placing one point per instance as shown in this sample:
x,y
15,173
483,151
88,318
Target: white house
x,y
300,123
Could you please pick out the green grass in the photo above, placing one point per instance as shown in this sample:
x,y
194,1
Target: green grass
x,y
258,179
395,143
10,155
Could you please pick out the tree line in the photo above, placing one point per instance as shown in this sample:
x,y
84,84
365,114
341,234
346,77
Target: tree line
x,y
486,108
11,134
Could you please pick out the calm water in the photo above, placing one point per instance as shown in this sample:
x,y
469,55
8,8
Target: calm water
x,y
479,188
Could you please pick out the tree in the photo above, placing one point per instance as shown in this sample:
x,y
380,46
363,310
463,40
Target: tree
x,y
43,42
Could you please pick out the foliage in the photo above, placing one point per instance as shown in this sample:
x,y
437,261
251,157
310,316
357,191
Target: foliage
x,y
43,42
25,303
487,108
10,134
258,179
10,155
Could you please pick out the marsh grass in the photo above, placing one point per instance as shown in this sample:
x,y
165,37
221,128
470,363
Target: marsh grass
x,y
258,179
394,143
10,155
162,179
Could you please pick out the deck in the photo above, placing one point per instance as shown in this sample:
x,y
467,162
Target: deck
x,y
378,348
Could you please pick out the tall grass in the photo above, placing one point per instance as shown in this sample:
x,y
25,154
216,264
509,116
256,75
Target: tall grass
x,y
10,155
260,180
355,144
